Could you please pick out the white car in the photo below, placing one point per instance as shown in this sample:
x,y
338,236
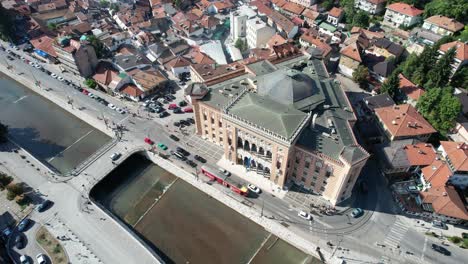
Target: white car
x,y
53,75
253,188
91,95
37,66
304,215
121,111
31,63
60,78
24,259
111,106
41,259
115,156
225,172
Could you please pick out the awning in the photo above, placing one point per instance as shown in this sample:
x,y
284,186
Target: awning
x,y
41,53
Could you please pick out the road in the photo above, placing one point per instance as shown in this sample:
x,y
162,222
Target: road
x,y
357,239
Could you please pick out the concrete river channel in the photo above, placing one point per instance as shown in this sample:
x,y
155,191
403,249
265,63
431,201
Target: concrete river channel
x,y
179,222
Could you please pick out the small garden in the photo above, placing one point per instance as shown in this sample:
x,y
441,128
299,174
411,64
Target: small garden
x,y
50,244
15,191
460,241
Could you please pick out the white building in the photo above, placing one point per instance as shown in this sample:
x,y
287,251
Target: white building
x,y
441,25
305,3
258,33
370,6
239,19
402,14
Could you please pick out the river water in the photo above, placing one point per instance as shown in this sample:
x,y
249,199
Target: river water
x,y
183,224
48,132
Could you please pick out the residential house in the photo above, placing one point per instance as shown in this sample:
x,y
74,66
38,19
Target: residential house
x,y
215,7
292,9
420,155
282,24
306,3
385,48
238,21
370,6
444,203
178,65
369,104
403,122
198,57
456,156
148,80
277,39
309,40
209,23
76,56
402,14
109,78
335,15
461,54
350,59
128,62
310,16
43,47
382,70
114,41
441,25
410,92
258,33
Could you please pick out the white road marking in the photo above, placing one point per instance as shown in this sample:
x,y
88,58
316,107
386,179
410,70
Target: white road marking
x,y
78,140
323,223
424,249
123,119
21,98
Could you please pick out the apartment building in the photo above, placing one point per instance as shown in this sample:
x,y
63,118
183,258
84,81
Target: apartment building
x,y
291,126
370,6
76,56
402,14
258,33
238,19
461,54
305,3
442,26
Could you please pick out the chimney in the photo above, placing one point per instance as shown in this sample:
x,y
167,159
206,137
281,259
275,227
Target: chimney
x,y
444,193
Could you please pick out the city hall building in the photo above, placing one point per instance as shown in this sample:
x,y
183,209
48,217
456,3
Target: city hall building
x,y
284,119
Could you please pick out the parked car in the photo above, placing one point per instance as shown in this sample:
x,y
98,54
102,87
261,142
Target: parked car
x,y
172,106
44,205
41,259
225,172
6,233
357,212
173,137
162,146
53,75
304,215
60,78
441,250
163,114
19,241
149,141
188,110
178,110
23,224
178,155
115,156
24,259
183,151
182,103
190,120
111,106
177,124
191,163
159,109
439,224
412,189
199,158
183,122
253,188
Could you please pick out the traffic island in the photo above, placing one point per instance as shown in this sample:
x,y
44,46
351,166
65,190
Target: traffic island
x,y
51,245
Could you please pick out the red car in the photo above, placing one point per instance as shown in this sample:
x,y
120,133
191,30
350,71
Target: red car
x,y
85,91
172,106
188,110
149,141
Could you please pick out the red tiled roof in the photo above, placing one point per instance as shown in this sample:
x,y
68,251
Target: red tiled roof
x,y
457,152
410,89
209,21
44,43
437,173
221,5
277,39
199,57
461,49
131,90
352,52
421,154
405,9
403,120
281,21
335,12
279,3
317,43
104,72
445,200
261,7
177,62
445,22
310,14
293,8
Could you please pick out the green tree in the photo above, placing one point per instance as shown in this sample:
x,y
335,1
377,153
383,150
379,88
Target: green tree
x,y
361,19
177,3
90,83
5,179
427,60
360,76
241,45
391,85
6,24
348,7
440,108
16,188
52,26
99,48
114,7
463,37
3,133
460,78
104,3
327,4
457,9
440,73
409,66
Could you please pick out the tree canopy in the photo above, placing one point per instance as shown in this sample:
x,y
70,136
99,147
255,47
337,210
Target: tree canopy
x,y
391,85
360,76
441,72
460,78
6,24
440,108
99,48
361,19
241,45
457,9
90,83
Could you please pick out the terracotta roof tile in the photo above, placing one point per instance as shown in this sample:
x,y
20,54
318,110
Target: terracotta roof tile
x,y
437,173
421,154
310,14
445,22
461,52
44,43
177,62
293,8
410,89
277,39
457,152
403,120
445,200
281,21
131,90
405,9
352,51
335,12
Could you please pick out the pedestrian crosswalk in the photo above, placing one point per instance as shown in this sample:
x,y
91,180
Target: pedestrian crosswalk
x,y
395,234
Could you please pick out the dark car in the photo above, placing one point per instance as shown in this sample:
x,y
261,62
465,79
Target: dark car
x,y
167,98
178,110
159,109
177,124
23,224
441,250
44,205
184,122
190,120
171,96
191,163
183,151
199,158
19,241
178,155
173,137
163,114
182,103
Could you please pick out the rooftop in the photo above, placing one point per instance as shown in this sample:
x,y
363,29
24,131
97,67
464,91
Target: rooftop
x,y
410,89
421,154
281,21
445,22
461,49
378,101
293,8
437,173
335,12
445,200
457,153
405,9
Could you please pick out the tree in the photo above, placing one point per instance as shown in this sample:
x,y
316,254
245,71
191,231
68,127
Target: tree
x,y
104,3
114,7
177,3
3,133
409,66
441,72
348,7
361,19
391,85
241,45
457,9
90,83
426,61
460,78
5,180
6,24
52,26
360,76
463,37
440,108
327,4
99,48
16,188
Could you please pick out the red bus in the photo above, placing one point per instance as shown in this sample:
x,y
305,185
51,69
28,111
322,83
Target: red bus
x,y
216,175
